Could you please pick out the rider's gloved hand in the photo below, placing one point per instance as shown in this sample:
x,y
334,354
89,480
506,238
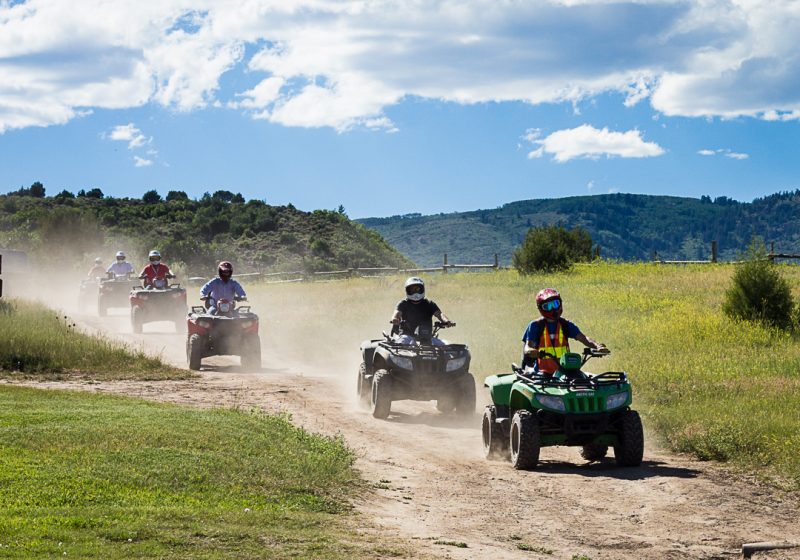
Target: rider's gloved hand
x,y
395,320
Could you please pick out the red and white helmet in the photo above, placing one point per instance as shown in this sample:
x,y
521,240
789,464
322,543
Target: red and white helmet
x,y
225,269
549,303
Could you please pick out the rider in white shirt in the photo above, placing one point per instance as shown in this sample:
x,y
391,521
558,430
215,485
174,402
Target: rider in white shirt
x,y
121,267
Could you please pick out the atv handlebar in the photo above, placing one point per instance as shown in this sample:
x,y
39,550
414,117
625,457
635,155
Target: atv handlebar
x,y
444,324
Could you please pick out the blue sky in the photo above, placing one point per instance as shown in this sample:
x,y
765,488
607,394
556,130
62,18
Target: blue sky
x,y
389,107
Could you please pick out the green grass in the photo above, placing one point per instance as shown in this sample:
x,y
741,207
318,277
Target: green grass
x,y
707,385
38,342
96,476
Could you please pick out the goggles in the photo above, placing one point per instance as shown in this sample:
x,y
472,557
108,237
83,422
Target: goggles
x,y
415,289
550,305
120,258
155,259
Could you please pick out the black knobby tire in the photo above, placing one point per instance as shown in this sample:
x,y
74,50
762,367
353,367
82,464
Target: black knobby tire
x,y
136,319
630,450
364,385
194,351
381,394
495,442
524,440
251,357
594,451
465,405
446,403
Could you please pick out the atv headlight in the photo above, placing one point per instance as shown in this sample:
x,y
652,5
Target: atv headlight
x,y
556,403
458,363
203,323
615,400
401,362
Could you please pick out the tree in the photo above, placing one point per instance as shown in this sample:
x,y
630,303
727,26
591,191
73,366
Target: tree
x,y
223,196
758,292
151,197
176,195
552,248
65,194
37,190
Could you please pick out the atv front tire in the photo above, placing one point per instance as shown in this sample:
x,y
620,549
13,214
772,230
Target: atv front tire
x,y
251,357
594,451
630,449
194,351
465,405
136,319
525,441
363,385
381,394
495,442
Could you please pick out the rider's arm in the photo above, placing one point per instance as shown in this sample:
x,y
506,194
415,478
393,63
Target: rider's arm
x,y
530,348
238,290
439,314
589,342
397,317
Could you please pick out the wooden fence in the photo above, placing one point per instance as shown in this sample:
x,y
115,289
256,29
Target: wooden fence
x,y
771,256
301,276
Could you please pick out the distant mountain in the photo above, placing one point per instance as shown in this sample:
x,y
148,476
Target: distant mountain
x,y
625,226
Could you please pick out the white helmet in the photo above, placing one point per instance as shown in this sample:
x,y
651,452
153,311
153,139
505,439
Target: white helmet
x,y
415,289
120,256
154,256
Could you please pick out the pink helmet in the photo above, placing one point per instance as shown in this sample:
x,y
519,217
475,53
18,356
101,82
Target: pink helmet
x,y
549,303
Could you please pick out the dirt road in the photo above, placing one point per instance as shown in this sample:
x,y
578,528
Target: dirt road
x,y
435,491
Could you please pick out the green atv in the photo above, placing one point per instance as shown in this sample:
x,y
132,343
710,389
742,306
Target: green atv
x,y
570,407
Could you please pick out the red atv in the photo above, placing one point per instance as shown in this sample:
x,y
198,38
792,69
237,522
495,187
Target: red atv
x,y
160,301
228,331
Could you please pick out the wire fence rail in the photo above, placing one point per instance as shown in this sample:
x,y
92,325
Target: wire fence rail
x,y
366,272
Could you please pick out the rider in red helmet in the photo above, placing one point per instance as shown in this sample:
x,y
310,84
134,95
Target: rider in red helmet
x,y
551,333
222,287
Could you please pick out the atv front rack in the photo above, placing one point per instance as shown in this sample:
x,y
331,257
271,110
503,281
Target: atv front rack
x,y
606,379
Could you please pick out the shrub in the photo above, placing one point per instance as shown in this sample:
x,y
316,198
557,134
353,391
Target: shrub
x,y
552,248
151,197
758,292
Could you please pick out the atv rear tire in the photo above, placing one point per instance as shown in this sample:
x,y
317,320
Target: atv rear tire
x,y
446,404
525,442
381,394
630,449
465,405
251,357
495,442
194,351
136,319
364,385
594,451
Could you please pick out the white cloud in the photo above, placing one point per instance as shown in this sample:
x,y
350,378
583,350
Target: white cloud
x,y
586,141
341,64
724,152
130,134
142,162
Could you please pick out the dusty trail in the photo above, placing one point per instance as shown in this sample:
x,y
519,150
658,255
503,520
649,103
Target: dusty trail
x,y
432,486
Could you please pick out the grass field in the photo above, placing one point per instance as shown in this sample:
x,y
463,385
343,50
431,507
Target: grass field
x,y
38,342
95,476
706,385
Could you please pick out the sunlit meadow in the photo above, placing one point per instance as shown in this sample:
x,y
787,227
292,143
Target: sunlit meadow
x,y
706,385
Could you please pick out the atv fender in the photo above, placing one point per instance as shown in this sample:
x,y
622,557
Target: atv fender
x,y
368,353
500,387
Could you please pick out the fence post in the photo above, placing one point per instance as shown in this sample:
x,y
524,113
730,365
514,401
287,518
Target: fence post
x,y
713,251
496,265
444,267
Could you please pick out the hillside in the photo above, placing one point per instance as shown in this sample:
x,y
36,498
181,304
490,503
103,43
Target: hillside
x,y
625,226
66,230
